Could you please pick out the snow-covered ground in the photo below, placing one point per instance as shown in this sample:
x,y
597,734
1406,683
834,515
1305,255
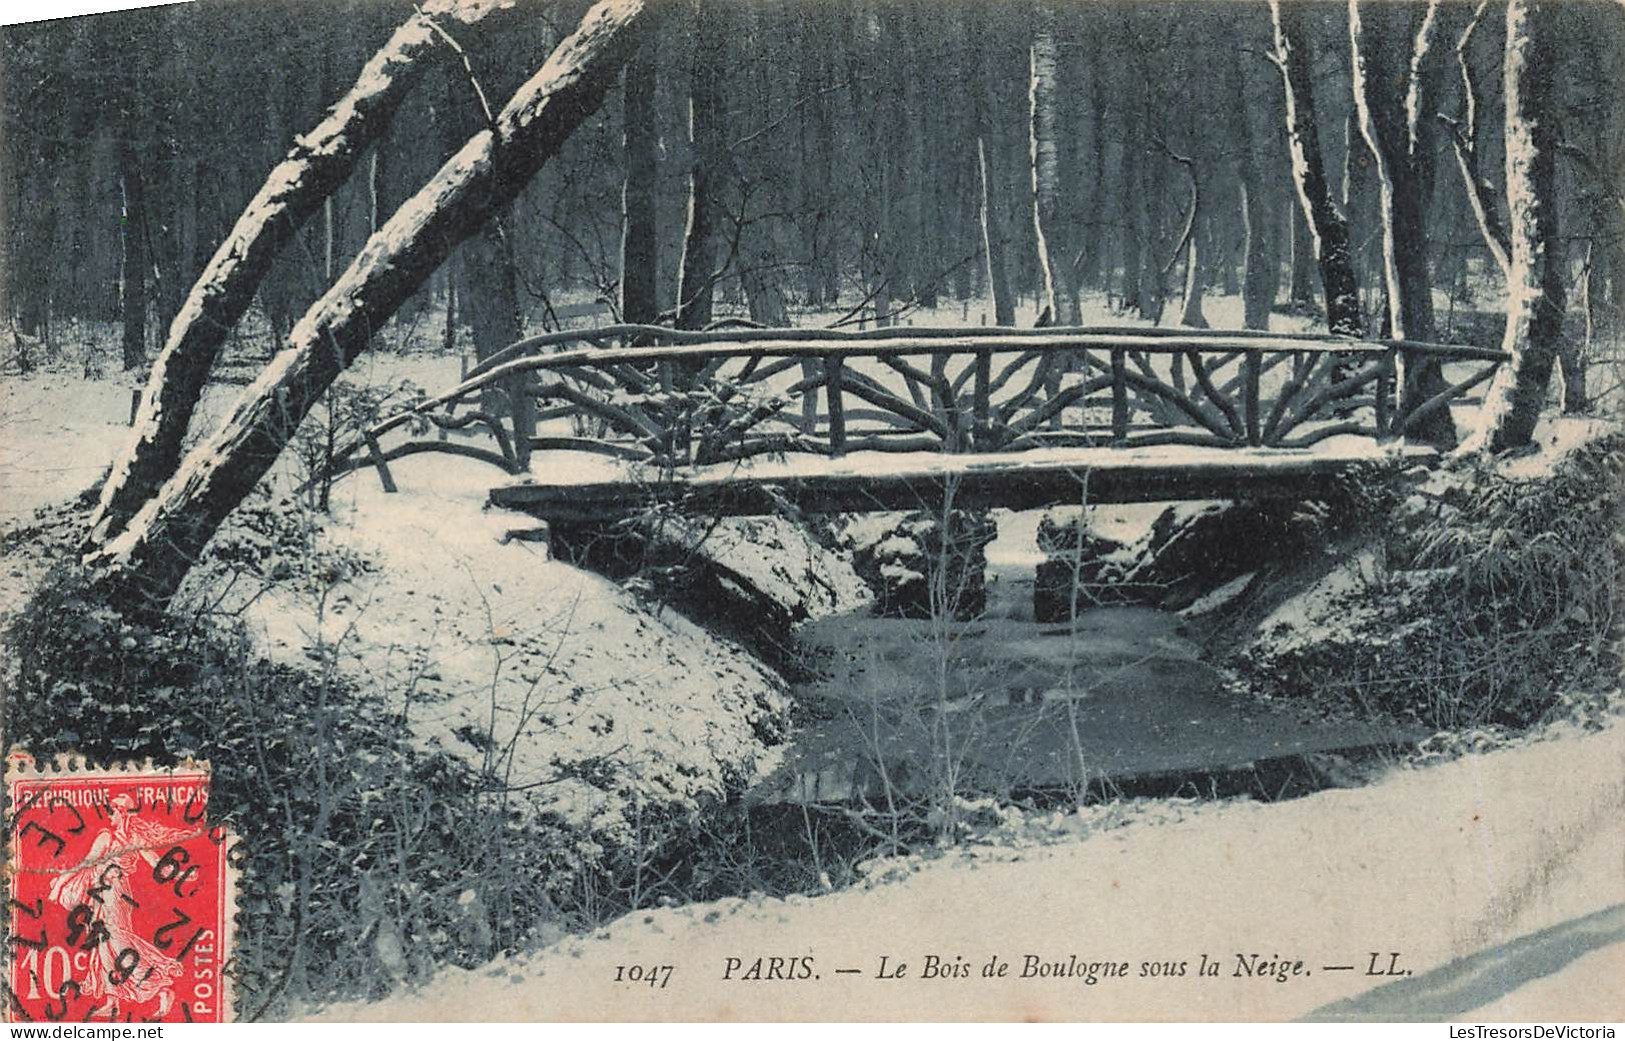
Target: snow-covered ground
x,y
489,637
519,664
550,676
1435,864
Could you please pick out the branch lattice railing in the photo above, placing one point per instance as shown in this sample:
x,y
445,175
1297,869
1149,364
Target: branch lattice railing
x,y
673,398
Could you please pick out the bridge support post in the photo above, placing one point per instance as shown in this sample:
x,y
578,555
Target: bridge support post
x,y
1385,395
522,414
1252,368
982,437
833,367
1119,396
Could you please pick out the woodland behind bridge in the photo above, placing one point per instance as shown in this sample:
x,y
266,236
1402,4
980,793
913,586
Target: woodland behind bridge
x,y
1358,161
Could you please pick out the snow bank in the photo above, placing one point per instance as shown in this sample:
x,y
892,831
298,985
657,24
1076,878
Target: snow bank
x,y
780,561
1434,863
558,682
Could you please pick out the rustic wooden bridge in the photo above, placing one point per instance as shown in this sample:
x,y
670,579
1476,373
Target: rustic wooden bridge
x,y
600,422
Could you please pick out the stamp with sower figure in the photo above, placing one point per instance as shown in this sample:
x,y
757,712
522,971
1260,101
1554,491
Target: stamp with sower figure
x,y
120,896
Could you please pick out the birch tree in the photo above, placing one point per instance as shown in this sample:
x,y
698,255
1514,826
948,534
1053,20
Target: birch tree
x,y
145,564
990,215
1482,200
1045,157
1536,277
316,165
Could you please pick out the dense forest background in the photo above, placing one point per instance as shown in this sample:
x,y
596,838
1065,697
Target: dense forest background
x,y
847,144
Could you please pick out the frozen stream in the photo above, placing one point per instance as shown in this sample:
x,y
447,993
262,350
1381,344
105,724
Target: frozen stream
x,y
1123,699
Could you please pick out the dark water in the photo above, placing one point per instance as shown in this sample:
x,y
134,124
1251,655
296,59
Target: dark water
x,y
1121,698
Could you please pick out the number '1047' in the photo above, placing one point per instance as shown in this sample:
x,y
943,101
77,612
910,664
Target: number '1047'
x,y
655,976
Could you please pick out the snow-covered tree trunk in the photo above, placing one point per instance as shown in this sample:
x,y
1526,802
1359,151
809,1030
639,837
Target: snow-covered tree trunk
x,y
1045,158
639,242
696,275
1535,286
1390,96
1464,142
1481,198
1327,226
146,563
316,166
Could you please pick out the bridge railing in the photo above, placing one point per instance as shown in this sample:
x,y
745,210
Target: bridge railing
x,y
693,398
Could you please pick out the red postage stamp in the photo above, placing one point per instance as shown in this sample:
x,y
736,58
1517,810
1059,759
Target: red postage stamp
x,y
120,895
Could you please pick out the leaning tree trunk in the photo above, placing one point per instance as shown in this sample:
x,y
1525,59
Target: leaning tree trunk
x,y
697,276
1535,288
1390,97
315,167
146,563
1327,226
640,249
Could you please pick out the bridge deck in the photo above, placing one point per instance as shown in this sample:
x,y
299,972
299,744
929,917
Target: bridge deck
x,y
865,481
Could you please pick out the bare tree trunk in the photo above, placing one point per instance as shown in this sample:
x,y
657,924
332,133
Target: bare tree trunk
x,y
146,563
1190,309
1093,238
1464,142
761,273
1153,291
1259,279
490,301
1328,227
1043,67
318,163
697,274
1536,288
820,282
1301,289
993,226
1133,213
640,248
133,232
1390,97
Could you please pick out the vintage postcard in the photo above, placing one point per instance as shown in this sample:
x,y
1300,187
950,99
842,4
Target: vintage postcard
x,y
813,510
